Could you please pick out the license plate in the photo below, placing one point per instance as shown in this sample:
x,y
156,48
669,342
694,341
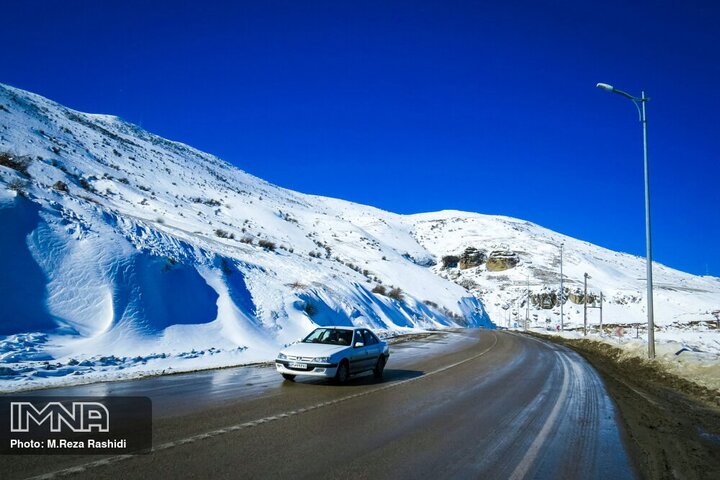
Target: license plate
x,y
298,365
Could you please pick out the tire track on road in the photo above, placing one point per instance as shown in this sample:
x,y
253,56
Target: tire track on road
x,y
532,452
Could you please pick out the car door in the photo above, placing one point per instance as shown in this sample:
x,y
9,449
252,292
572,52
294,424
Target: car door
x,y
373,349
358,355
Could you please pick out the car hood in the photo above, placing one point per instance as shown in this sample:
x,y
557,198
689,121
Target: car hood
x,y
312,349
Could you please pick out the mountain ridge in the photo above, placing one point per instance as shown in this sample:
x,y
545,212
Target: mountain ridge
x,y
138,247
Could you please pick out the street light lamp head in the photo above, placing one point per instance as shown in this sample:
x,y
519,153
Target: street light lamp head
x,y
605,86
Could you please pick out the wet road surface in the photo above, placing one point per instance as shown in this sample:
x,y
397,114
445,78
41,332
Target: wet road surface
x,y
468,404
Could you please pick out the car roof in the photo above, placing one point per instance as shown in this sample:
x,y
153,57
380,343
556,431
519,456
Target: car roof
x,y
342,327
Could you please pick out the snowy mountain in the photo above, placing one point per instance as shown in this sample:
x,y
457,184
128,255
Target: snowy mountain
x,y
501,260
124,253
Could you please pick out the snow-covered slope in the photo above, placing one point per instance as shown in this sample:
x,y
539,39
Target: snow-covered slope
x,y
123,249
124,253
533,253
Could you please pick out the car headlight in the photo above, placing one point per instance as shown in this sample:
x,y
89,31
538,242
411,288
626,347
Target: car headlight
x,y
321,360
282,356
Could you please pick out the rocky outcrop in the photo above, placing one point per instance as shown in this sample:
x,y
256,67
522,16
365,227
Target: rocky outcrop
x,y
471,257
627,299
548,299
545,300
578,298
450,261
500,260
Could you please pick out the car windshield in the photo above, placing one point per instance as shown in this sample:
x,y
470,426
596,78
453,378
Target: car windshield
x,y
330,336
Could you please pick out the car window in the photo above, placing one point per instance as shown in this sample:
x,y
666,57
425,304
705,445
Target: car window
x,y
330,336
369,338
358,337
344,337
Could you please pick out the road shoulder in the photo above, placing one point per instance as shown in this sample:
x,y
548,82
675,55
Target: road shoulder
x,y
672,425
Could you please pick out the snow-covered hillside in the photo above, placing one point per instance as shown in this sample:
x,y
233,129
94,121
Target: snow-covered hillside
x,y
124,253
122,250
504,258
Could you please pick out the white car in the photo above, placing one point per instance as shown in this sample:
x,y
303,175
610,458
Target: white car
x,y
334,352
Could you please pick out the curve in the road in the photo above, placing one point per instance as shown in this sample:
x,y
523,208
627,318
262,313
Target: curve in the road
x,y
499,405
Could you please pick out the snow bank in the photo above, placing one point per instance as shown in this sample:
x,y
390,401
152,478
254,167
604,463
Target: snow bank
x,y
692,353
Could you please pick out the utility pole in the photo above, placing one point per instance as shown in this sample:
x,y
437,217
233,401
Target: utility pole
x,y
562,294
527,303
601,302
585,306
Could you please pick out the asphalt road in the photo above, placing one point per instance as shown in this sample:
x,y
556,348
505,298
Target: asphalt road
x,y
468,404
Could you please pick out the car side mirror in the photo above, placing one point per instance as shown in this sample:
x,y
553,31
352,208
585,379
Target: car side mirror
x,y
359,344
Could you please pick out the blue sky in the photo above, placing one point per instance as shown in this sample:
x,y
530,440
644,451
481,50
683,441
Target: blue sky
x,y
416,106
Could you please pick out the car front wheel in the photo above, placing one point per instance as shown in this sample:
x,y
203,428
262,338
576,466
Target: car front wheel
x,y
343,373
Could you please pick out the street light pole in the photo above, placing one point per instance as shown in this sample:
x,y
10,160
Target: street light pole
x,y
527,303
562,317
640,105
585,306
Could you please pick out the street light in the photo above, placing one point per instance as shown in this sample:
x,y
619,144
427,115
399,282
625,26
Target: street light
x,y
585,305
639,103
562,293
